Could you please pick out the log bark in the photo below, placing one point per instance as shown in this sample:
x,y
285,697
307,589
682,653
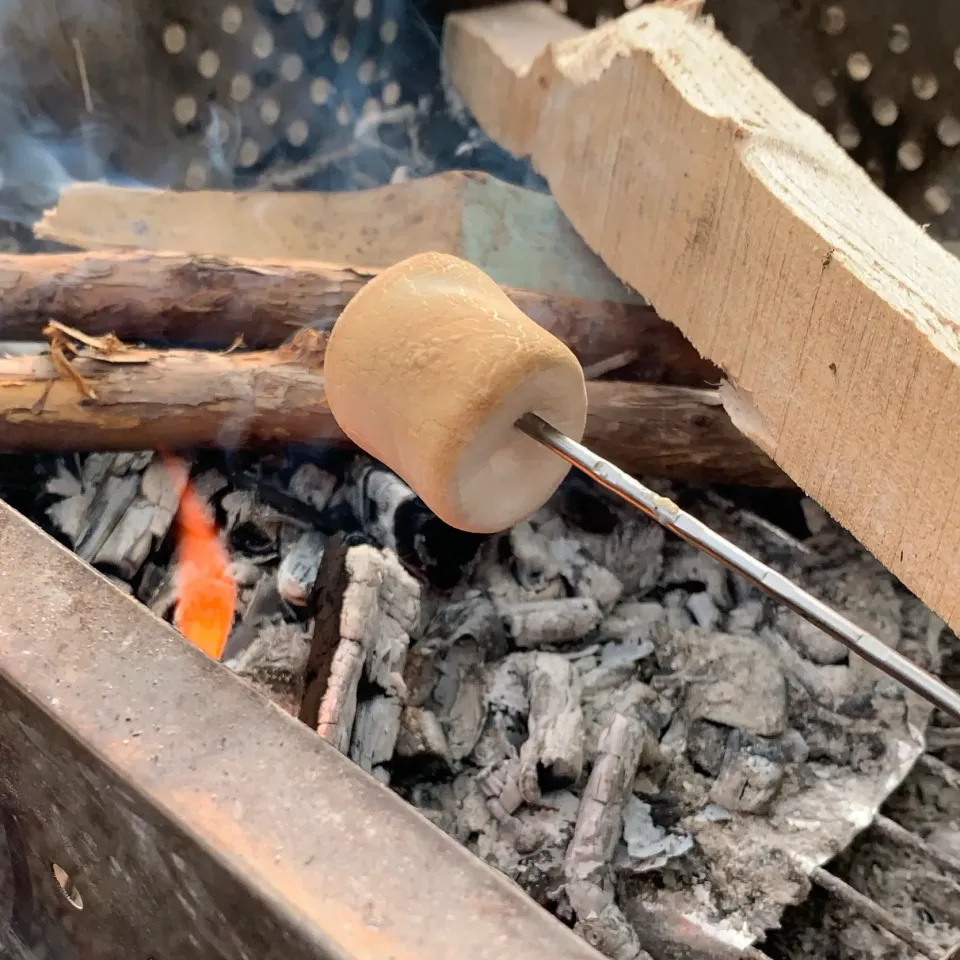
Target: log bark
x,y
832,314
210,301
137,399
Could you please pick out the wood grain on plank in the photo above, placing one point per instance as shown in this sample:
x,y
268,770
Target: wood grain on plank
x,y
832,314
519,237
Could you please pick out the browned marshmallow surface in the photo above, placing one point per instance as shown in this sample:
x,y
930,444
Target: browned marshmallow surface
x,y
428,368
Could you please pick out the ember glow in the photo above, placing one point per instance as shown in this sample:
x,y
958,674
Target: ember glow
x,y
206,590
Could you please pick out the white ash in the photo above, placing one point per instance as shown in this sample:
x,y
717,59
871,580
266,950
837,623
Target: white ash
x,y
380,607
483,678
755,756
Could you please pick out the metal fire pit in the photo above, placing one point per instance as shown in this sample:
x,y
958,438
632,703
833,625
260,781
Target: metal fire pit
x,y
153,805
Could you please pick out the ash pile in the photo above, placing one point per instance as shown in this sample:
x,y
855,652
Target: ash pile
x,y
653,749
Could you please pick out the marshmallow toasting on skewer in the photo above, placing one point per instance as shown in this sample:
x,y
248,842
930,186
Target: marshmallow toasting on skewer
x,y
429,367
435,372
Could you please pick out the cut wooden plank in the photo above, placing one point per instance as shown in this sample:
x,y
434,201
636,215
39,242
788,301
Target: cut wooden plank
x,y
834,317
519,237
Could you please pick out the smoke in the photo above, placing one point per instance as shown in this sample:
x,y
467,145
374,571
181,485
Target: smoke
x,y
274,94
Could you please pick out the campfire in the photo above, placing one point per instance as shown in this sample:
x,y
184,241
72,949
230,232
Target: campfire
x,y
662,756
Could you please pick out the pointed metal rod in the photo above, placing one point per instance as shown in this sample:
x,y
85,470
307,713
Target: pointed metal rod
x,y
684,525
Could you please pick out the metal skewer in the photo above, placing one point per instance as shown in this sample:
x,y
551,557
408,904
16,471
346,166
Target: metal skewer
x,y
667,513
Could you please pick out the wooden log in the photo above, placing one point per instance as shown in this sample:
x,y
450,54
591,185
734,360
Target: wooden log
x,y
832,314
519,237
126,398
210,301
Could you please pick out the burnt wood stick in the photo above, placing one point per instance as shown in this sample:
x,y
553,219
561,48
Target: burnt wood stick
x,y
176,399
209,301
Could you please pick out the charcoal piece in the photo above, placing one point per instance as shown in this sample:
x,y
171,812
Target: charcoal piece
x,y
421,735
748,780
539,622
67,512
688,566
458,697
130,542
245,572
632,551
313,485
735,681
600,821
793,746
606,694
528,848
397,518
706,746
252,527
162,487
375,732
365,604
208,484
625,654
634,621
584,576
505,590
602,923
445,668
399,607
675,610
647,846
105,511
278,654
598,828
703,610
552,755
358,622
472,618
745,618
332,580
531,562
298,569
264,604
500,784
810,641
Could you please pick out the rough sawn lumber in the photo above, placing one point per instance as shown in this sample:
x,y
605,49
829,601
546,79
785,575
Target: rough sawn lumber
x,y
833,316
517,236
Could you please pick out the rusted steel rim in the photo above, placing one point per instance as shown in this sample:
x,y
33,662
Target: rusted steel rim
x,y
193,818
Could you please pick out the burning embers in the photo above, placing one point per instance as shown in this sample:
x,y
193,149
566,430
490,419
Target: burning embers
x,y
642,741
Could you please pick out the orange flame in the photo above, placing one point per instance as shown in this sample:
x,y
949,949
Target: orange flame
x,y
206,590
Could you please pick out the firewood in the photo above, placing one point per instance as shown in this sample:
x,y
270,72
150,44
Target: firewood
x,y
741,220
519,237
211,301
121,397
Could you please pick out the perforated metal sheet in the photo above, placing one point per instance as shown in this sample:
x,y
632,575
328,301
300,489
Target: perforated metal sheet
x,y
217,93
883,76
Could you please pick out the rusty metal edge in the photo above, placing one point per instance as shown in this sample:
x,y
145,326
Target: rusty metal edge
x,y
339,860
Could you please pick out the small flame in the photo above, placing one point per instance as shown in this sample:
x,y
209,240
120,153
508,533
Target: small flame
x,y
206,590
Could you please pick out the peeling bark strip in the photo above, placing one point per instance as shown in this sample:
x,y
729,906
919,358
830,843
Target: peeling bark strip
x,y
176,399
742,221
